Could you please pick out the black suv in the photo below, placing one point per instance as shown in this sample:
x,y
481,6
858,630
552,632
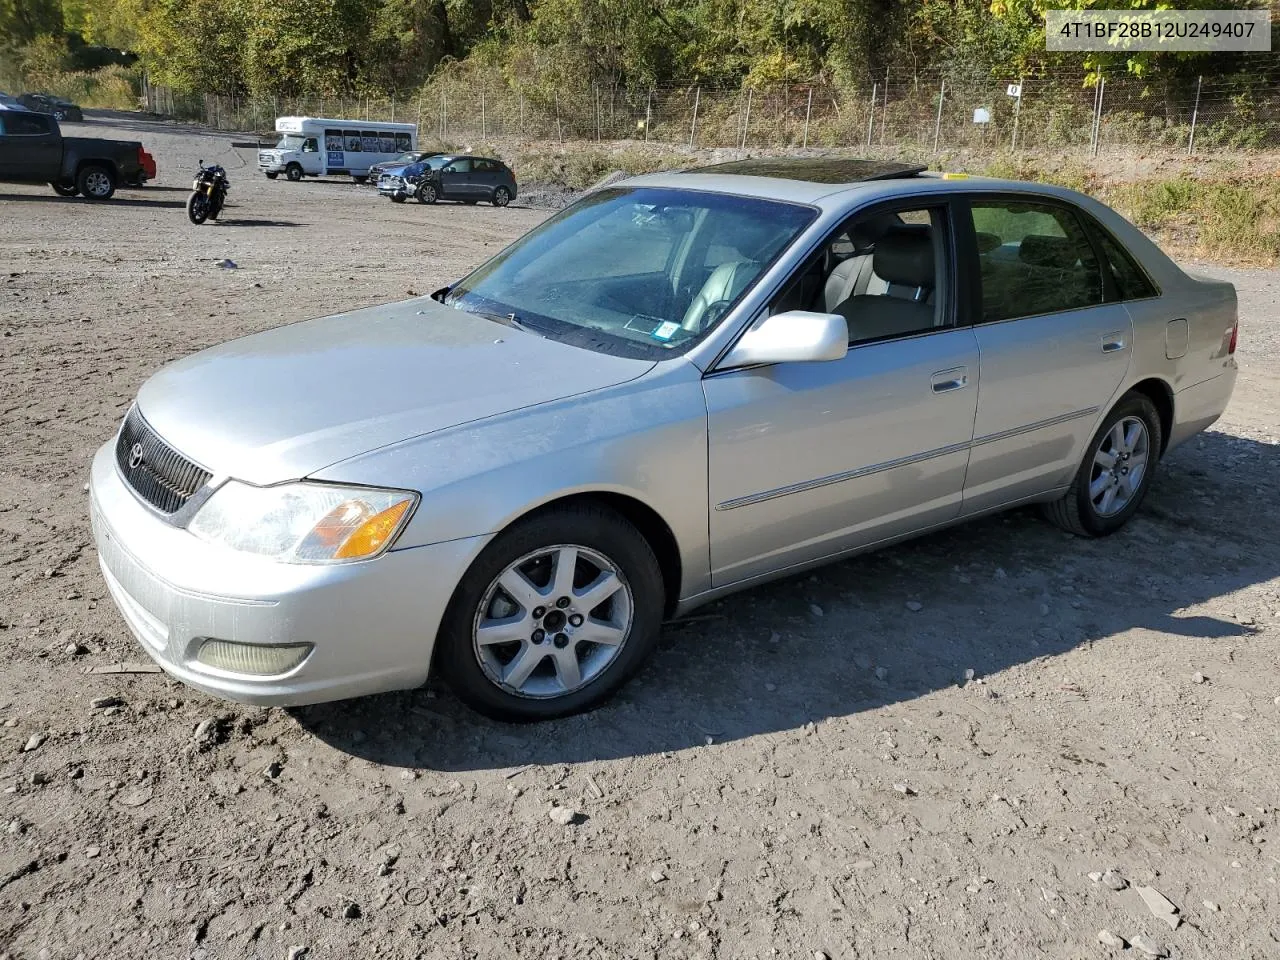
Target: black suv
x,y
56,106
463,178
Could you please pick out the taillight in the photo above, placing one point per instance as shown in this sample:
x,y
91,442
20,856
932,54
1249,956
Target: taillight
x,y
142,156
1235,335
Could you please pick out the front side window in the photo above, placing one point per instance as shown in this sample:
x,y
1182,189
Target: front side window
x,y
883,271
462,165
310,145
17,124
1034,258
638,272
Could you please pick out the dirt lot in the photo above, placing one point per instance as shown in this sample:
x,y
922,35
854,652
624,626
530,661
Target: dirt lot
x,y
801,772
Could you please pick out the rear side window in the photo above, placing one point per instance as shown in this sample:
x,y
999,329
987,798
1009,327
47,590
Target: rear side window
x,y
1035,258
17,124
1131,281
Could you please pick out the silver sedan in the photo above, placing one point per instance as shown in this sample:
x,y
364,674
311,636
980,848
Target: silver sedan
x,y
679,387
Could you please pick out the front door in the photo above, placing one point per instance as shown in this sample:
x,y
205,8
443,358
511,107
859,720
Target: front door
x,y
1054,353
455,180
29,147
807,460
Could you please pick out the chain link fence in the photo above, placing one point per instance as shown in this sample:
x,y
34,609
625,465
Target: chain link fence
x,y
924,115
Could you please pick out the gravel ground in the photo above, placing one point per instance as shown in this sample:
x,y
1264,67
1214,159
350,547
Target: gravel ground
x,y
802,771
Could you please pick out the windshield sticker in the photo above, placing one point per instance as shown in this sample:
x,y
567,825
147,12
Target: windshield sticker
x,y
665,330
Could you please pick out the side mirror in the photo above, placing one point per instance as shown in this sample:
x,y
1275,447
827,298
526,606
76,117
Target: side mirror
x,y
796,336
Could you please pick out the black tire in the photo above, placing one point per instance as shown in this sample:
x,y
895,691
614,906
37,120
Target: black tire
x,y
198,208
65,189
1076,511
426,193
590,526
215,210
360,179
501,197
95,182
271,174
293,172
398,198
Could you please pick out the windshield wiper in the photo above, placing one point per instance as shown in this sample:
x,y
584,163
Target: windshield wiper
x,y
507,320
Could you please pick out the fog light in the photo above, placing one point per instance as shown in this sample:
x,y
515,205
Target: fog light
x,y
263,660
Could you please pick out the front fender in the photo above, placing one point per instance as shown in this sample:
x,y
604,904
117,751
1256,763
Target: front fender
x,y
646,440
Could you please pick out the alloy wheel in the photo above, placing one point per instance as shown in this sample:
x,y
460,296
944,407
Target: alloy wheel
x,y
552,621
1119,466
97,184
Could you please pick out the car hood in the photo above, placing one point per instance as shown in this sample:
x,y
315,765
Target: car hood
x,y
285,403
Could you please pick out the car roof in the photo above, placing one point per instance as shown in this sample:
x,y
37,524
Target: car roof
x,y
817,169
785,180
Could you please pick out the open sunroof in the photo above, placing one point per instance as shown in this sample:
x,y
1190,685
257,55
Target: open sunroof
x,y
816,170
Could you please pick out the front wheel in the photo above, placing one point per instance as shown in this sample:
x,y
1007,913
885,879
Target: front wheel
x,y
427,193
65,189
1118,466
501,197
293,172
360,179
198,207
398,198
95,182
556,613
271,174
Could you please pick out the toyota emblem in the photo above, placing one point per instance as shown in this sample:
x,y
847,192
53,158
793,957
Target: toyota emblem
x,y
135,456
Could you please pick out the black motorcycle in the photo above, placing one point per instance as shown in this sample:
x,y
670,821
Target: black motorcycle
x,y
208,193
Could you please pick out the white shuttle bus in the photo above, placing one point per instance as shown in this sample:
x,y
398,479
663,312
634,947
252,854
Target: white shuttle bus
x,y
316,146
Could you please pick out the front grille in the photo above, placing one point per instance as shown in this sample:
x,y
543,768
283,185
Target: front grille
x,y
265,159
157,473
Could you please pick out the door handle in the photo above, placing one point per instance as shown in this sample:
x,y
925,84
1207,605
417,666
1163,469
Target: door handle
x,y
1113,342
944,381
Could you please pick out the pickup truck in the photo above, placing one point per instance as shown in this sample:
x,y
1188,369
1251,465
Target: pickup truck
x,y
33,150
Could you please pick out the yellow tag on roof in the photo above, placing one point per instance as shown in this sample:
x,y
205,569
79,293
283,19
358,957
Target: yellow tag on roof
x,y
955,176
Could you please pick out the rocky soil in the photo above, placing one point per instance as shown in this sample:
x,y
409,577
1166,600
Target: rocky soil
x,y
999,741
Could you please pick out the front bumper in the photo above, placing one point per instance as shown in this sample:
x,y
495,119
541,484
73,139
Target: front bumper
x,y
372,624
393,187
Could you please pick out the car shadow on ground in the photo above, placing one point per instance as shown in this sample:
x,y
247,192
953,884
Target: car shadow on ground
x,y
995,593
116,201
156,188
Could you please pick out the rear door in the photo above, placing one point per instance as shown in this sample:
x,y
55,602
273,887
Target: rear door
x,y
485,176
30,146
1054,351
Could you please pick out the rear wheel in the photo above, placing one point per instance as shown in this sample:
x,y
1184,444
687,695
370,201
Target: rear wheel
x,y
65,189
1118,466
95,182
501,197
427,193
293,172
554,615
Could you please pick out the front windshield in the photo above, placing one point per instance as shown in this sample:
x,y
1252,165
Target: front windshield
x,y
290,141
406,158
643,272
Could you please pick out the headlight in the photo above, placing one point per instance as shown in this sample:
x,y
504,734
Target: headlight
x,y
304,522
